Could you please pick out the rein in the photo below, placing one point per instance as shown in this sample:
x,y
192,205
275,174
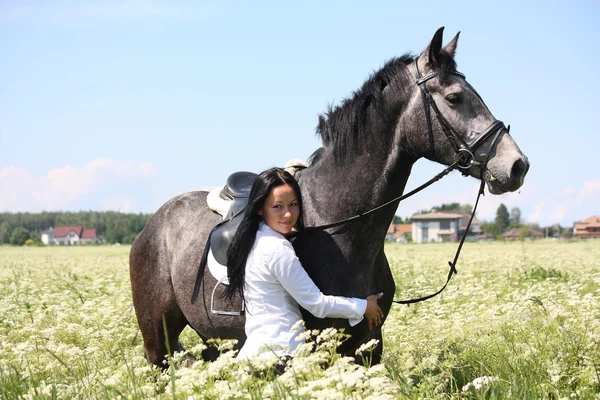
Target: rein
x,y
436,178
465,159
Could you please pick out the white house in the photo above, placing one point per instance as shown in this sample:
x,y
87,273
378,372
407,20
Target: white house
x,y
48,236
443,227
70,235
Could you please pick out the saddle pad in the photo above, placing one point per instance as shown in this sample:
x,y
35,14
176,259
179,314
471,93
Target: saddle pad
x,y
216,203
218,271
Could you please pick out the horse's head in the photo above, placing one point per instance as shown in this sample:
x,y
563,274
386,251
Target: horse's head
x,y
459,124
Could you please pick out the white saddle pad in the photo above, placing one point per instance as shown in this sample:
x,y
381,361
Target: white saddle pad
x,y
216,203
218,271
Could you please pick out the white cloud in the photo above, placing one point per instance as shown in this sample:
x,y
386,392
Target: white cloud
x,y
61,188
122,204
568,205
590,189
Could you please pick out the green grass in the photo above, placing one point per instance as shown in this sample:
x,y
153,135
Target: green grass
x,y
519,321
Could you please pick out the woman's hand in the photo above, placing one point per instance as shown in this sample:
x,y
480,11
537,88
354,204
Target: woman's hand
x,y
373,313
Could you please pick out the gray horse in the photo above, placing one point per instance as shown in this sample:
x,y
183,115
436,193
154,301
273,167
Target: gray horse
x,y
409,109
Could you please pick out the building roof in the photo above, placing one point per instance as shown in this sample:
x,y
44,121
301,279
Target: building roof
x,y
404,228
89,234
465,220
392,228
62,231
515,233
591,222
436,216
400,229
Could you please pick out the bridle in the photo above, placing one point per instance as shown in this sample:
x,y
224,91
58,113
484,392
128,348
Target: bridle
x,y
464,159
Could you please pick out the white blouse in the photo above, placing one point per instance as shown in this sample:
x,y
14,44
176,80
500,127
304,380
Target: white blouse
x,y
275,284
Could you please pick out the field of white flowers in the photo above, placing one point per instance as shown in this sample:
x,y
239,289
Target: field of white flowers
x,y
520,321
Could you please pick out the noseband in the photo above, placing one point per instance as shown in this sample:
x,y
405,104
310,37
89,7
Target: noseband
x,y
465,152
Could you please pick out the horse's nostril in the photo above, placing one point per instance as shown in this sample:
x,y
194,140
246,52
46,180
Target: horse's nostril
x,y
519,169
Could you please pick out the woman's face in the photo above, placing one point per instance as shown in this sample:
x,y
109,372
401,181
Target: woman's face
x,y
281,209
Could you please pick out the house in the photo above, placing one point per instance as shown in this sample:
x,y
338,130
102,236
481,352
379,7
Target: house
x,y
435,227
48,236
70,235
90,236
444,227
399,232
588,228
515,234
486,237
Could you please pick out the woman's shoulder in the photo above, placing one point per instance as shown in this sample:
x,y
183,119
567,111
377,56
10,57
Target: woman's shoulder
x,y
267,240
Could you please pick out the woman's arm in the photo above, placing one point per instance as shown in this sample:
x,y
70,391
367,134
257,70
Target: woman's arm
x,y
286,267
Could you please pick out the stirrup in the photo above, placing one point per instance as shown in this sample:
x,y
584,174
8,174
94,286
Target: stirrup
x,y
223,312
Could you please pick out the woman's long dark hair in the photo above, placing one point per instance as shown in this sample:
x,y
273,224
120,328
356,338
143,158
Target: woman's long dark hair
x,y
243,240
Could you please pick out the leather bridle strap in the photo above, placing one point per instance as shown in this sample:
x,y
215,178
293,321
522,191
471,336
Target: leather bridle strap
x,y
464,151
436,178
452,264
428,101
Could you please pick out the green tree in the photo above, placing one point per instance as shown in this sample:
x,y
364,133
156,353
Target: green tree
x,y
555,230
19,236
525,232
114,226
5,232
502,218
491,228
515,217
399,220
448,207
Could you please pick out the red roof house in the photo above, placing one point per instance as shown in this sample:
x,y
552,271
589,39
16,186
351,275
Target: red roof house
x,y
71,235
588,228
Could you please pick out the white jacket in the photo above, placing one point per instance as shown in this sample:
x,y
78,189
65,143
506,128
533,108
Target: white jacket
x,y
275,283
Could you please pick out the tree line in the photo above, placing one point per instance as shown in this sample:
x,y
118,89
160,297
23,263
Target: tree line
x,y
115,227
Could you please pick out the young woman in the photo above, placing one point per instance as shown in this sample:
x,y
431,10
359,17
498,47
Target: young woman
x,y
264,270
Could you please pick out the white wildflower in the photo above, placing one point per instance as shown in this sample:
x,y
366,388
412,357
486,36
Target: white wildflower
x,y
483,382
368,346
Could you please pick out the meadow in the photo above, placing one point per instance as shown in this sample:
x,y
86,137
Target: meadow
x,y
521,320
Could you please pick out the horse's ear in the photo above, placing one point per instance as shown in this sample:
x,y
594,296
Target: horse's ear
x,y
432,51
451,47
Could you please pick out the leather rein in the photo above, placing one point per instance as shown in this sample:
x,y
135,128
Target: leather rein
x,y
464,159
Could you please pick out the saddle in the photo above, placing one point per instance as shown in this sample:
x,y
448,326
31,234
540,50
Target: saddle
x,y
230,201
236,190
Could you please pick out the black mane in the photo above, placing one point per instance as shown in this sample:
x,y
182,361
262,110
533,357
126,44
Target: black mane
x,y
343,129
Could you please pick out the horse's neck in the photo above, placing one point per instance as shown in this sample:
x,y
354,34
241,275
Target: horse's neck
x,y
333,192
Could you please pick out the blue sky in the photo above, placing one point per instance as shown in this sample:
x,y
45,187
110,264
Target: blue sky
x,y
120,105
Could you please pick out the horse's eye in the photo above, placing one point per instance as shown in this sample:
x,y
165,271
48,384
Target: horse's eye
x,y
454,99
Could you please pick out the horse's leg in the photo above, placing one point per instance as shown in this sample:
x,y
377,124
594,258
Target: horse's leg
x,y
210,353
384,281
159,317
161,336
378,350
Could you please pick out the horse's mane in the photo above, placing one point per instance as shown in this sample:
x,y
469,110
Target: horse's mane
x,y
343,129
